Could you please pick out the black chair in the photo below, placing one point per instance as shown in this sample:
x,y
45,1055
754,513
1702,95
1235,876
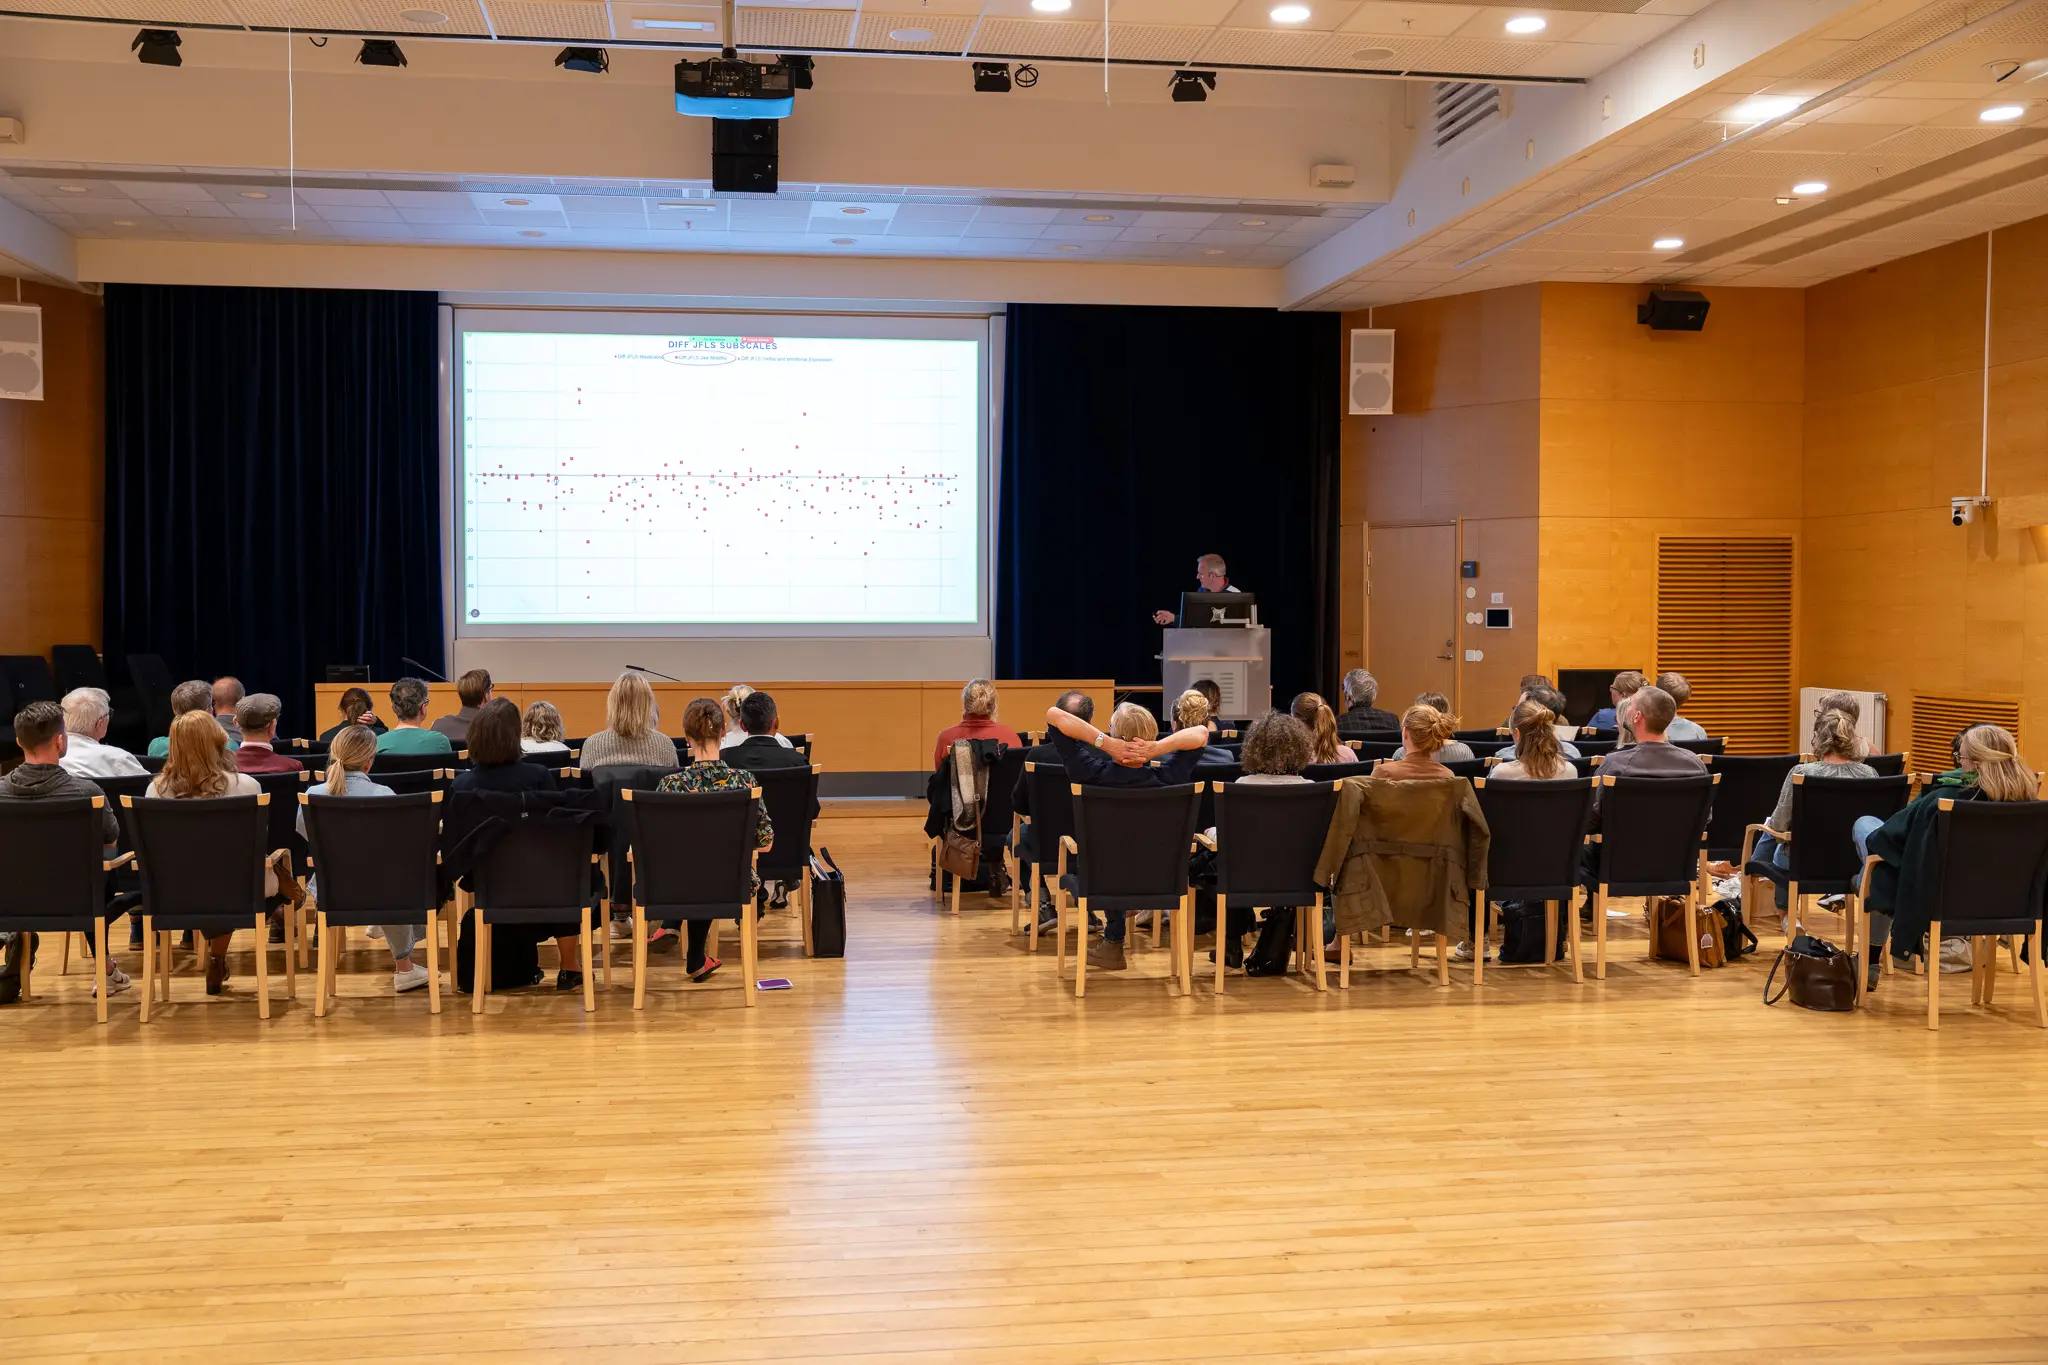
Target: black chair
x,y
76,666
56,878
202,869
1467,767
791,796
1591,747
28,678
1488,747
538,873
1597,736
1487,736
1268,839
1712,745
1336,772
1539,834
1994,876
612,782
125,890
377,862
1377,748
692,857
413,763
1746,794
1051,822
315,750
1650,844
1888,765
802,744
998,822
1132,846
153,683
1209,776
409,784
1820,846
1584,765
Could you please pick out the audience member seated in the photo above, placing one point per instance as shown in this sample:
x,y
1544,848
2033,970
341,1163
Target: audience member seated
x,y
1837,752
1361,719
977,721
199,767
350,751
1079,704
1681,693
1191,712
708,771
1212,694
193,695
764,746
227,695
86,713
1649,712
1538,754
409,733
355,710
40,729
256,718
629,735
1625,685
540,730
1531,684
496,761
1902,894
1276,749
1451,750
472,689
1845,702
1425,742
1552,701
1321,723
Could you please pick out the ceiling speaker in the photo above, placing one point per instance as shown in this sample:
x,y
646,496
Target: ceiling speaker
x,y
1673,310
1372,371
21,351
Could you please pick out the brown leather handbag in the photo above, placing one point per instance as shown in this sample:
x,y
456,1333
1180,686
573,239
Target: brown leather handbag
x,y
1818,975
1669,928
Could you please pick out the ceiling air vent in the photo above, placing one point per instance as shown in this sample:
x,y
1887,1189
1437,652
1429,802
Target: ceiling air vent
x,y
1465,109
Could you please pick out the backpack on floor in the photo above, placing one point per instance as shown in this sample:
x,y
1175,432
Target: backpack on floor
x,y
1521,932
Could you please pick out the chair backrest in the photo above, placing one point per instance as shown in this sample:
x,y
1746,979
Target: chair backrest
x,y
539,869
28,678
1584,765
1887,765
412,763
405,784
1824,814
1994,866
152,763
1487,746
1590,747
693,850
802,744
52,853
612,782
315,749
1746,794
1467,767
1377,748
1135,843
153,680
1268,838
1539,830
1468,736
1002,793
1335,772
1713,744
1650,829
1052,809
791,795
375,855
1207,777
282,829
74,666
201,860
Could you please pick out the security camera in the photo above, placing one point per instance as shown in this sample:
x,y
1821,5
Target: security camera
x,y
1963,511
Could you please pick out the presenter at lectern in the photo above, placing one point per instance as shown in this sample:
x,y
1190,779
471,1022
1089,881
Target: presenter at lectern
x,y
1214,576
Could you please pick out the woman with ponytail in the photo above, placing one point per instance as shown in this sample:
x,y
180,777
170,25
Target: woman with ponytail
x,y
1538,753
349,755
1315,713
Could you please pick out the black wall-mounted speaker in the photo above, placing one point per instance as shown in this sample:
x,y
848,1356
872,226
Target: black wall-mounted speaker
x,y
1673,310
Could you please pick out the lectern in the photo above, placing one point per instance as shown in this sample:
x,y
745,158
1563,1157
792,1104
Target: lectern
x,y
1239,659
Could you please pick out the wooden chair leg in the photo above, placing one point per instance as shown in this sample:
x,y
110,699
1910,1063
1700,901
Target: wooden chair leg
x,y
28,957
1312,926
1033,909
1976,970
433,961
1344,962
1443,959
956,893
165,962
1600,932
1934,976
1568,920
480,974
640,956
1414,949
1059,931
64,955
263,966
323,974
1479,938
1550,927
750,945
1222,939
2012,944
1156,917
99,967
1692,931
148,967
589,967
805,882
2034,961
1081,950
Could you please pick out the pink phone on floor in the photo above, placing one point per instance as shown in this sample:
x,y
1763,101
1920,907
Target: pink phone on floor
x,y
773,983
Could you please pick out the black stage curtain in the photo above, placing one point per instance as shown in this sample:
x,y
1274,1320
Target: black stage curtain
x,y
273,483
1136,439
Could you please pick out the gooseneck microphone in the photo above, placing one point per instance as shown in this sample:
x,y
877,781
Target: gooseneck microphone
x,y
642,668
422,668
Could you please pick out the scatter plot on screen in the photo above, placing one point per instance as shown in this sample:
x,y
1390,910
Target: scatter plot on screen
x,y
701,480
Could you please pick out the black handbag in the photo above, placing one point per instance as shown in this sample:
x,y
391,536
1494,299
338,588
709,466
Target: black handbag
x,y
1521,932
1818,975
828,906
1736,939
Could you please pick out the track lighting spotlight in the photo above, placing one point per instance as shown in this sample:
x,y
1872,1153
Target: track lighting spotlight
x,y
380,52
992,78
1191,87
594,60
799,71
157,47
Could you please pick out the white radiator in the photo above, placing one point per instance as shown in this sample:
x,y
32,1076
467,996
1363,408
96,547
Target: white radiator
x,y
1870,724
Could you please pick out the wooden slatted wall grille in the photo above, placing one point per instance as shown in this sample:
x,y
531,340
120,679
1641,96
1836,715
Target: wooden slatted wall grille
x,y
1724,620
1938,717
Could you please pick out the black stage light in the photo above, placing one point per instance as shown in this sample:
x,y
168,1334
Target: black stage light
x,y
1191,87
380,52
157,47
992,78
594,60
799,70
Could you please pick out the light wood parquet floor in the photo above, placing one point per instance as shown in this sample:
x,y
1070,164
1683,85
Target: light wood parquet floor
x,y
930,1152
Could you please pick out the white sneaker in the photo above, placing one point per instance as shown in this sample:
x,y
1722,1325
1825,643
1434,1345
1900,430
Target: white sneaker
x,y
1955,955
117,980
1462,952
412,980
622,931
373,931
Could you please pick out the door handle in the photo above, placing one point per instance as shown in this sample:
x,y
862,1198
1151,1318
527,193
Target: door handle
x,y
1450,652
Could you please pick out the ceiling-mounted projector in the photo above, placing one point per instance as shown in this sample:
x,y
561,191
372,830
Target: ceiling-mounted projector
x,y
730,87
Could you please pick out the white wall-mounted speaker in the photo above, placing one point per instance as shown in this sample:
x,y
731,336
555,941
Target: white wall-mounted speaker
x,y
1372,371
21,351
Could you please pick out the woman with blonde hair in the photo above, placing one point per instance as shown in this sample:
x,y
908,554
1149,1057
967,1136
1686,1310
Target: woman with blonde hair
x,y
1904,890
1425,732
977,721
1192,712
1539,755
540,730
349,756
1837,752
629,735
1313,712
1452,750
735,728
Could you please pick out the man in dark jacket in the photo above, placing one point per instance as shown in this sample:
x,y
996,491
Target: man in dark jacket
x,y
39,730
761,750
1361,719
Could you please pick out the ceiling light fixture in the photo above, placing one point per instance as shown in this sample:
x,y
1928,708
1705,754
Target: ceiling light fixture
x,y
72,189
1527,23
157,47
992,78
594,61
1251,222
1811,187
380,52
1052,6
2002,113
1212,251
910,35
842,241
1098,218
1668,243
515,203
1066,246
1373,56
124,222
423,16
1288,14
1763,108
690,25
533,232
255,194
853,209
1191,87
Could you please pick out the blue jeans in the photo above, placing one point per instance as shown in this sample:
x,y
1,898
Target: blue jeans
x,y
1768,849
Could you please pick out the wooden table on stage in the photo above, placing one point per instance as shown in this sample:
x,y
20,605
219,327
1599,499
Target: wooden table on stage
x,y
859,727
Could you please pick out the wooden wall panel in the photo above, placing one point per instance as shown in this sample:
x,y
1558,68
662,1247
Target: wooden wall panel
x,y
52,463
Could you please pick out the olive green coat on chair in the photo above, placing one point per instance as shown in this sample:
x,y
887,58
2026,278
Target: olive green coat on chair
x,y
1407,853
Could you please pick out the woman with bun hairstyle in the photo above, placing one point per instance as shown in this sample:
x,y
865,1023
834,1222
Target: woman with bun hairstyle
x,y
1837,752
1424,733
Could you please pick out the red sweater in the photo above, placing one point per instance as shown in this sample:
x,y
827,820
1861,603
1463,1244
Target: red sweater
x,y
972,727
261,758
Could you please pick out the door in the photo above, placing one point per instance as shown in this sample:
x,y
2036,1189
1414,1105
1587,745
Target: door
x,y
1412,586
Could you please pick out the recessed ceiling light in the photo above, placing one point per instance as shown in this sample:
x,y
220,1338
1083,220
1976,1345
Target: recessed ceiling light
x,y
854,209
2002,113
1288,14
1098,217
1764,107
1373,56
532,232
1811,187
124,222
72,189
1052,6
1066,246
1252,222
1668,243
692,25
423,16
255,194
910,35
842,241
1527,23
1212,251
516,203
1784,199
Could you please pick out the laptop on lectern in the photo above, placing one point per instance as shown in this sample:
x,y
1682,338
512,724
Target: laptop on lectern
x,y
1205,610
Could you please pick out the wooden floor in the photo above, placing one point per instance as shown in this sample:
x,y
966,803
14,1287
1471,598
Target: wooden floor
x,y
931,1152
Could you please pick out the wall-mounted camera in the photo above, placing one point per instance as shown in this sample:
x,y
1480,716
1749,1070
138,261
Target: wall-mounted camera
x,y
1963,511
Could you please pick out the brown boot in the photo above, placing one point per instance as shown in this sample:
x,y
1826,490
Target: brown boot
x,y
1107,956
216,973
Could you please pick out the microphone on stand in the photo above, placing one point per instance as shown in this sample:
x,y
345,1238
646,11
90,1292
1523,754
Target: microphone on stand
x,y
642,668
422,668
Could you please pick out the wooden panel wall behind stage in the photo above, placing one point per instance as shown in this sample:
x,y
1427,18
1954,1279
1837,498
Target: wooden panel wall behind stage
x,y
1460,447
1894,598
52,463
1647,434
